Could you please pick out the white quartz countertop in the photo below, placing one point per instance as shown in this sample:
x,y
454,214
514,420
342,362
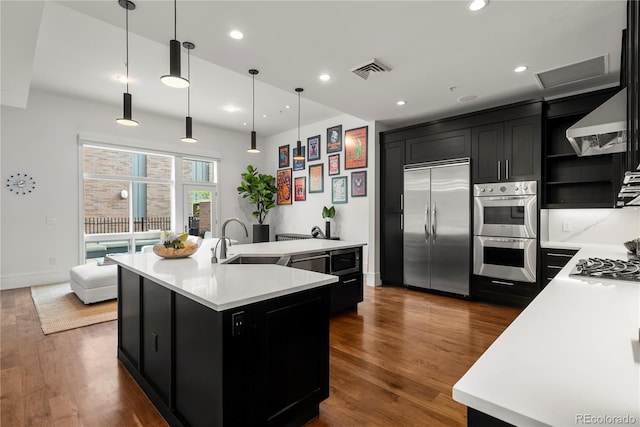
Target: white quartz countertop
x,y
571,356
290,247
225,286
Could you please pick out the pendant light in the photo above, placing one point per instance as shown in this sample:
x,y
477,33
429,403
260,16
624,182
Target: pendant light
x,y
126,119
253,148
188,137
299,156
174,79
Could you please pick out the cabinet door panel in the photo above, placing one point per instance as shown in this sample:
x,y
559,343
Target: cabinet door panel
x,y
392,176
522,148
129,314
439,146
487,146
156,341
392,250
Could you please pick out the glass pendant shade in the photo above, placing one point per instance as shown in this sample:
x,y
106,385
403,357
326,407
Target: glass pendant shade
x,y
189,134
174,79
126,119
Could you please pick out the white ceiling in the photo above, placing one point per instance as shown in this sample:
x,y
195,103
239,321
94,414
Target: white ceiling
x,y
438,52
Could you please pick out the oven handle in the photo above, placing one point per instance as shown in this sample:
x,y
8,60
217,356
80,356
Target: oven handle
x,y
311,258
490,198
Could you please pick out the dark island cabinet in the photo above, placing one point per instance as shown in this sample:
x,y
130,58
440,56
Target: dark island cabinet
x,y
443,145
261,364
507,151
553,260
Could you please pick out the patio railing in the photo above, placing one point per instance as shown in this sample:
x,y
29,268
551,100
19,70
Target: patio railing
x,y
103,225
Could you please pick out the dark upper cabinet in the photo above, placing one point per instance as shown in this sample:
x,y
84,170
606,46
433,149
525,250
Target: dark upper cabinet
x,y
393,177
439,146
507,151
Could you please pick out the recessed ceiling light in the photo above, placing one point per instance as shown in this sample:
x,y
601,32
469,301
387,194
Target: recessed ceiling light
x,y
467,98
401,102
476,5
230,108
264,116
287,106
244,123
520,68
121,78
235,34
325,77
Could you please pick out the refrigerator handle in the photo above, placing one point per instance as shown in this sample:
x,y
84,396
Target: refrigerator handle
x,y
498,170
401,221
434,223
401,201
426,223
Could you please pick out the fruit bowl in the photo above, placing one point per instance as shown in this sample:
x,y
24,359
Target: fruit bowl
x,y
632,245
171,253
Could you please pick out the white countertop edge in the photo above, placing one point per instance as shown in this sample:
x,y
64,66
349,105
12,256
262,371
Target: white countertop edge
x,y
289,247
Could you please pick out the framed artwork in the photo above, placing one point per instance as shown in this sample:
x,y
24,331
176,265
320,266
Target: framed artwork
x,y
316,178
313,148
355,148
283,181
334,139
283,156
298,165
334,164
359,184
300,186
339,189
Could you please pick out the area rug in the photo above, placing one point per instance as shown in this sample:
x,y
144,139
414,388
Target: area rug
x,y
59,309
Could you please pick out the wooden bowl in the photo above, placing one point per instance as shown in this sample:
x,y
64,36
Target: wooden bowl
x,y
171,253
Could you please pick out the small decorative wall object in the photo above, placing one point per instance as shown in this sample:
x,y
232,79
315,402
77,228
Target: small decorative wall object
x,y
355,148
283,156
334,164
313,148
359,184
284,184
316,178
334,139
300,187
339,189
298,164
20,184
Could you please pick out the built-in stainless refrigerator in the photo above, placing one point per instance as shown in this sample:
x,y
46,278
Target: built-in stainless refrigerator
x,y
437,226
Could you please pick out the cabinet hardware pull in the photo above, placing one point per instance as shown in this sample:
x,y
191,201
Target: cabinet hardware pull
x,y
155,341
349,281
561,255
500,282
498,170
555,267
401,221
401,201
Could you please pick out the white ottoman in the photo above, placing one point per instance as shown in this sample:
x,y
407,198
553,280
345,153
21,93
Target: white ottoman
x,y
93,283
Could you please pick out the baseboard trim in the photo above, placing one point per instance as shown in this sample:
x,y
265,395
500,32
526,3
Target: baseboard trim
x,y
27,280
372,279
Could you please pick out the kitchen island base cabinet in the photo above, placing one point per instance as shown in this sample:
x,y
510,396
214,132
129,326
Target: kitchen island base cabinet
x,y
480,419
265,363
347,293
501,291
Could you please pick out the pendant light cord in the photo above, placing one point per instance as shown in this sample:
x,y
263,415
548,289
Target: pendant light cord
x,y
175,19
189,87
298,117
253,101
127,39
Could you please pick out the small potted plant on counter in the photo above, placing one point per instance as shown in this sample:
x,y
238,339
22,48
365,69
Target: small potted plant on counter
x,y
261,190
328,214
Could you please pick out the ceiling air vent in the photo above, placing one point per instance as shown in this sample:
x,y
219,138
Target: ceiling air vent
x,y
373,66
572,73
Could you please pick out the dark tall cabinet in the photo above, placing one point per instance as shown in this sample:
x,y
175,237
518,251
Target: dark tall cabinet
x,y
393,159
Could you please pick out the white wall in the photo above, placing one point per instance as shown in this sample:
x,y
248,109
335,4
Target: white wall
x,y
602,226
42,140
354,221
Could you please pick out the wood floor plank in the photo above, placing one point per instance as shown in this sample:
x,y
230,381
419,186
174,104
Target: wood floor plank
x,y
392,363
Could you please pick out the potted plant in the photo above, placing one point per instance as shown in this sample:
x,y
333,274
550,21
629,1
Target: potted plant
x,y
261,190
329,213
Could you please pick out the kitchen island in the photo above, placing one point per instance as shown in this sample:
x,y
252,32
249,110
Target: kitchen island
x,y
224,344
572,357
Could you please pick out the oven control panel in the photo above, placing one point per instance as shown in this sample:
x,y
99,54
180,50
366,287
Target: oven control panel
x,y
521,188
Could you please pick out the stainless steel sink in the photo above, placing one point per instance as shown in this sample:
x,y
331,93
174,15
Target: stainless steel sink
x,y
253,260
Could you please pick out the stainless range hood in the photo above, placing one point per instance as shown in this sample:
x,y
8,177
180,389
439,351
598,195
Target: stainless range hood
x,y
602,131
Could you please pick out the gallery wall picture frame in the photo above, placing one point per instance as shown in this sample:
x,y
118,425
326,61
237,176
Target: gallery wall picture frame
x,y
339,189
334,164
283,156
298,165
334,139
359,184
313,148
355,148
300,187
284,185
316,178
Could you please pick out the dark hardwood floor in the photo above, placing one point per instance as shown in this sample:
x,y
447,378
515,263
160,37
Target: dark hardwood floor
x,y
393,362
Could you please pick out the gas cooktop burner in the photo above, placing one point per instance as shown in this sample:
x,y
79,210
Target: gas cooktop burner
x,y
608,269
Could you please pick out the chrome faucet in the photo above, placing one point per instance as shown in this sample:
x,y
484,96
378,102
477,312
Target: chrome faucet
x,y
223,240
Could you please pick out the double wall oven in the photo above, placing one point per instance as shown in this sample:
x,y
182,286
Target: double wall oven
x,y
504,228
